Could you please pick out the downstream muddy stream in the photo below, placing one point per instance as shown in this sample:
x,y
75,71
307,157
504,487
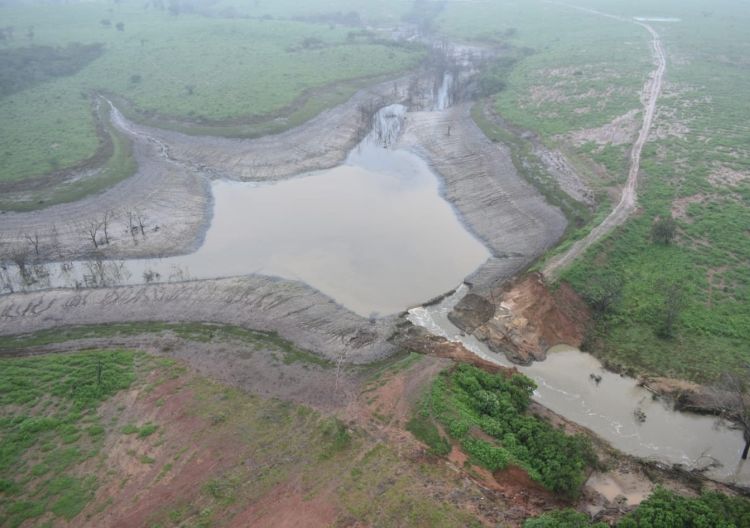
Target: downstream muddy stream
x,y
612,406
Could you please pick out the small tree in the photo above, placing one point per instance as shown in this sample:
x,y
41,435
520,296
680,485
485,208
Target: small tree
x,y
603,293
120,26
729,398
674,302
663,230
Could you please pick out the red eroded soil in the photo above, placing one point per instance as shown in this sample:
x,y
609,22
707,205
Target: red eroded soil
x,y
516,486
530,318
140,489
285,507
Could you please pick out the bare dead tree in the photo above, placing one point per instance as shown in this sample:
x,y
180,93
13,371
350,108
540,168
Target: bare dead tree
x,y
19,255
6,282
55,241
730,399
106,220
91,229
131,223
33,239
140,219
3,255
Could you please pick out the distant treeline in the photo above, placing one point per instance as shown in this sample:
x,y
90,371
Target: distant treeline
x,y
21,68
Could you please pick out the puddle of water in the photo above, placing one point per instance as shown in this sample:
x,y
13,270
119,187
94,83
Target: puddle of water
x,y
373,234
611,407
635,490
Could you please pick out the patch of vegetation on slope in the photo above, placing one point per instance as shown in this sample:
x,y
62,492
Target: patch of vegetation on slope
x,y
583,71
663,509
467,400
113,162
49,426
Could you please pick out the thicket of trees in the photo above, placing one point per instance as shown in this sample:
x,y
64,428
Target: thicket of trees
x,y
468,398
663,509
21,68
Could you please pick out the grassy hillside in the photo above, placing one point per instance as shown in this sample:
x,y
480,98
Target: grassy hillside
x,y
101,437
696,168
184,65
584,72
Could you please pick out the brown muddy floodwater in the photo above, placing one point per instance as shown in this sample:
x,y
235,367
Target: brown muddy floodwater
x,y
576,385
374,234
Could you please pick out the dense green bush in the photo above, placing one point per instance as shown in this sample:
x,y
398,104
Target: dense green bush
x,y
467,400
562,519
663,509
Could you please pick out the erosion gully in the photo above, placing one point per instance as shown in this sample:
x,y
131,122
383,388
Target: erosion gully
x,y
375,235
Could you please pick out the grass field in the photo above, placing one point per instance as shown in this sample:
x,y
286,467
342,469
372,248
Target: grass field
x,y
187,66
696,168
587,70
49,426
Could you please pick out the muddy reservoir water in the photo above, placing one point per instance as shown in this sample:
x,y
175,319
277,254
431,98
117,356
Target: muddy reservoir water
x,y
611,407
374,233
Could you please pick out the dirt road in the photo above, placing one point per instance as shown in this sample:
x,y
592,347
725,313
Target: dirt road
x,y
628,199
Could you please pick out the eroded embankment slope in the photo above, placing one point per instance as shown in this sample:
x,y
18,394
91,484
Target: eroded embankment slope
x,y
320,143
479,179
293,310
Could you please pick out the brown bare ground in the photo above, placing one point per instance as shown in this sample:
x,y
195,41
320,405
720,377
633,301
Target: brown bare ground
x,y
530,318
680,206
726,177
619,131
286,507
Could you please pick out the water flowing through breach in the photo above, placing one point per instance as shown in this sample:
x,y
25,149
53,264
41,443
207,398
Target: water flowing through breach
x,y
612,406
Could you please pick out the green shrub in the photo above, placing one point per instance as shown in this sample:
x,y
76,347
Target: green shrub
x,y
663,509
562,519
425,431
468,398
147,430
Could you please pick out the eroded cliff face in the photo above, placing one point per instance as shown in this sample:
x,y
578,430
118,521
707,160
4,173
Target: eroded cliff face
x,y
524,318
